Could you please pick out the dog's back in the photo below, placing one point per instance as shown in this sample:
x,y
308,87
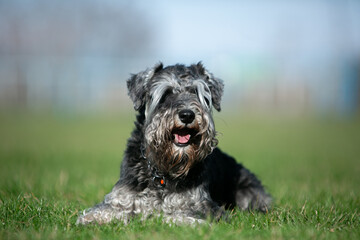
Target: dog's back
x,y
231,184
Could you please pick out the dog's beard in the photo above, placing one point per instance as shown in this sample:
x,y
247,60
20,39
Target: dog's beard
x,y
175,148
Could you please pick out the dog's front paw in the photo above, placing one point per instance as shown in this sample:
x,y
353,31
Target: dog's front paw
x,y
100,214
85,218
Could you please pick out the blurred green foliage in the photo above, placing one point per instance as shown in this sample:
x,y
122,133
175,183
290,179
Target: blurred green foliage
x,y
53,166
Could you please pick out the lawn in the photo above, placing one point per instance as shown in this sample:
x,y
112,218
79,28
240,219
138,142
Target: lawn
x,y
55,165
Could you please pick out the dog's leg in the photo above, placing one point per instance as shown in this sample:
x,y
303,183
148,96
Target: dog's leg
x,y
188,207
250,193
120,204
115,206
100,214
191,206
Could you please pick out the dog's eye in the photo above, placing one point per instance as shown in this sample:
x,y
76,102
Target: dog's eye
x,y
191,90
164,96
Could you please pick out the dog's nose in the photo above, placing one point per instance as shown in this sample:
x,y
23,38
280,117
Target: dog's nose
x,y
186,116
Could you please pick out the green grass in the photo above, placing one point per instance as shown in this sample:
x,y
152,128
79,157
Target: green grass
x,y
53,167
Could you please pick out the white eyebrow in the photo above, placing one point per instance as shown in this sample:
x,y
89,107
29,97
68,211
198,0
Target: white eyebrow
x,y
203,92
158,90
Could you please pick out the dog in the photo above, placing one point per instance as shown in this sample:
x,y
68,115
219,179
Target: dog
x,y
172,167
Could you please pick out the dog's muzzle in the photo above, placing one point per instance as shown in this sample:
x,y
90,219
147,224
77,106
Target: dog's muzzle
x,y
185,135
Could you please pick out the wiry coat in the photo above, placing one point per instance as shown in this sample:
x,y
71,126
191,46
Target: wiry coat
x,y
171,165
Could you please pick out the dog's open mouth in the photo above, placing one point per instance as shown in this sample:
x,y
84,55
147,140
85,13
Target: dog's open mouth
x,y
183,137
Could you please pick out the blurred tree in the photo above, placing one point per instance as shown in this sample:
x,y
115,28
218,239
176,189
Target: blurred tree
x,y
57,34
72,27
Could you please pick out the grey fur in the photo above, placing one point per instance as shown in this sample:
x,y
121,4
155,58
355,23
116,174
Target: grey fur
x,y
171,166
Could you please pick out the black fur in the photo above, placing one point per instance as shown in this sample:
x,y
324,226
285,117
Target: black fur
x,y
208,178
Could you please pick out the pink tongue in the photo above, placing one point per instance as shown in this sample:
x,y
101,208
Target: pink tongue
x,y
182,139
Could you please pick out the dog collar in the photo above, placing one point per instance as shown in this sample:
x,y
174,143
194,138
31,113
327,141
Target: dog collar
x,y
157,178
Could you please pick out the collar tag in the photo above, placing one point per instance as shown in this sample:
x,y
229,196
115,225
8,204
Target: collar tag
x,y
160,181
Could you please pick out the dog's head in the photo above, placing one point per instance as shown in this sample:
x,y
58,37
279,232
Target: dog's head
x,y
177,103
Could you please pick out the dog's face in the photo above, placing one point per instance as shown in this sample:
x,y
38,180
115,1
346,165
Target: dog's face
x,y
177,103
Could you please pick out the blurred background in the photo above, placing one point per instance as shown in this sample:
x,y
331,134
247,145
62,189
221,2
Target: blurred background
x,y
290,109
288,57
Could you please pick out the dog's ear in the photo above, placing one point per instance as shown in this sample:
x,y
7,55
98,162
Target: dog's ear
x,y
215,85
137,85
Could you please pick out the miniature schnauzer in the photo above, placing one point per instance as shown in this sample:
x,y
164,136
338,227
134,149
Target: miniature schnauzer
x,y
172,167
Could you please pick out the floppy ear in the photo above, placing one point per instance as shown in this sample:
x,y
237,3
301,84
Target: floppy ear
x,y
137,85
215,85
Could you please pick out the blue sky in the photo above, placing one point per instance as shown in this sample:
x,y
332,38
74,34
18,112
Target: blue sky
x,y
267,28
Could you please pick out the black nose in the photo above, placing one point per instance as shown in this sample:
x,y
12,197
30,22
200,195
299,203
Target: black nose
x,y
186,116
